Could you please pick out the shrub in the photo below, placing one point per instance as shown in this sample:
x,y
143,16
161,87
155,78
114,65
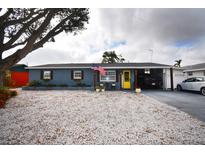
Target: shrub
x,y
35,83
2,103
50,85
63,85
13,93
5,94
4,90
82,85
100,86
97,87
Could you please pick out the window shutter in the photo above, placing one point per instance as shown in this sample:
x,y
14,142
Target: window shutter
x,y
98,76
71,73
42,74
82,74
117,75
51,75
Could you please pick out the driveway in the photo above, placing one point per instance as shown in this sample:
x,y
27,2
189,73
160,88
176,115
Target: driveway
x,y
192,103
88,117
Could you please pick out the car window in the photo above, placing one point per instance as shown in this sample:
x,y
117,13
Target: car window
x,y
189,80
199,79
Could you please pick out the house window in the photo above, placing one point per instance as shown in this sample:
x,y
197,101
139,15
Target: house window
x,y
77,75
126,77
190,73
47,75
147,71
110,76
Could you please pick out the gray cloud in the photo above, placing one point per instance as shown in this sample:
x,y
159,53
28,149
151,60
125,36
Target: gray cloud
x,y
159,24
159,29
171,33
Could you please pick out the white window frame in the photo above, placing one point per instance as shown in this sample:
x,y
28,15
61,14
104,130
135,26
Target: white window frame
x,y
147,71
77,74
47,75
107,78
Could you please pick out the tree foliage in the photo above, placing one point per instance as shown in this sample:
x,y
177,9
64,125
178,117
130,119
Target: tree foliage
x,y
178,63
30,29
24,30
112,57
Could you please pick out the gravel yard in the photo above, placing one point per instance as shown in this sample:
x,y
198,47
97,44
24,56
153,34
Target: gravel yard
x,y
86,117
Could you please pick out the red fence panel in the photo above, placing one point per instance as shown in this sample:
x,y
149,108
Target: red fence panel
x,y
19,79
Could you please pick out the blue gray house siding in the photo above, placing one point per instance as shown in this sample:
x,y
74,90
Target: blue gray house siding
x,y
62,76
132,79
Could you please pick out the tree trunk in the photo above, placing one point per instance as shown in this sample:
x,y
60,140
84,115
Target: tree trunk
x,y
2,73
1,78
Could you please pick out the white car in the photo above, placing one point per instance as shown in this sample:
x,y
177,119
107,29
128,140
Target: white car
x,y
193,84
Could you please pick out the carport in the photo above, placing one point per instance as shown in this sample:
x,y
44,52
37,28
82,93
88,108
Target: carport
x,y
150,78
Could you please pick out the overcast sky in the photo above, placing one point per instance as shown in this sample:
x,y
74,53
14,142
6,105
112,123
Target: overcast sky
x,y
169,34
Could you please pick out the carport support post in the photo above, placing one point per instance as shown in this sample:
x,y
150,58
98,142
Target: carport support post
x,y
171,78
135,79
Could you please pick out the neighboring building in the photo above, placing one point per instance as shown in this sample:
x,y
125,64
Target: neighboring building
x,y
118,75
19,76
194,70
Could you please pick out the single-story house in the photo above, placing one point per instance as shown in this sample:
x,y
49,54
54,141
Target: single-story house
x,y
118,75
194,70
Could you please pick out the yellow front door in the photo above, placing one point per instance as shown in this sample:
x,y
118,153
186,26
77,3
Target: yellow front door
x,y
126,79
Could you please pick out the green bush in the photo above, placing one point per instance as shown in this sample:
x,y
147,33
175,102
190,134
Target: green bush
x,y
63,85
5,94
100,86
50,85
13,93
35,83
2,88
82,85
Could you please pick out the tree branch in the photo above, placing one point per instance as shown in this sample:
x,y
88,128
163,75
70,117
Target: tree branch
x,y
21,53
55,31
20,21
2,18
21,31
5,15
40,43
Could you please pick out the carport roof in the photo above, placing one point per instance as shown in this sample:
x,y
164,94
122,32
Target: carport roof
x,y
106,65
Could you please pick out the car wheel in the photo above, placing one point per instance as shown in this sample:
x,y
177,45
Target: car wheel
x,y
179,88
203,91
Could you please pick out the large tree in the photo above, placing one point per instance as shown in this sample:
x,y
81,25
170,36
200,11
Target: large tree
x,y
112,57
25,30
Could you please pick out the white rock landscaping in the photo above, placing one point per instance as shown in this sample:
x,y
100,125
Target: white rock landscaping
x,y
88,117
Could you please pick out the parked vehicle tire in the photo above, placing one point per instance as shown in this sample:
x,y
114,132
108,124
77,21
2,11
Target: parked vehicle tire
x,y
203,91
179,88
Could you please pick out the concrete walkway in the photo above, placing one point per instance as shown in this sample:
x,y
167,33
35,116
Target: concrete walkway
x,y
192,103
